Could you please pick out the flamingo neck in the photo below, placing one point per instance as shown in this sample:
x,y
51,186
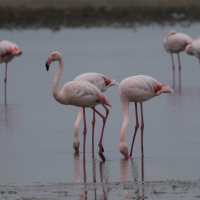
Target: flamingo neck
x,y
125,108
78,121
56,83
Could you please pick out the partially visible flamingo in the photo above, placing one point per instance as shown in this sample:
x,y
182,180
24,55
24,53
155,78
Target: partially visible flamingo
x,y
78,93
102,82
194,48
176,42
137,89
8,51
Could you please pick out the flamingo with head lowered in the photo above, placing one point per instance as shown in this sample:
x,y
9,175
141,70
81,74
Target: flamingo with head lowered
x,y
78,93
102,82
137,89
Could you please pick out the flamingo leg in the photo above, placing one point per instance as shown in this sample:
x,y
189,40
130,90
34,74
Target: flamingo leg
x,y
173,66
136,128
5,81
142,130
84,134
179,62
93,125
101,138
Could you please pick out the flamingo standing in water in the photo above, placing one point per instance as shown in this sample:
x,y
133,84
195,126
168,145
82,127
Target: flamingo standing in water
x,y
137,89
78,93
176,42
102,82
194,48
8,51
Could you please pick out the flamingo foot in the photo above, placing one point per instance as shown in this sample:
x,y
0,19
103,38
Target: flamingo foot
x,y
101,154
76,151
102,149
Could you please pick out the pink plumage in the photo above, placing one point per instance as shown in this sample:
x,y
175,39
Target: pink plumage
x,y
194,48
102,82
77,93
8,51
176,42
137,89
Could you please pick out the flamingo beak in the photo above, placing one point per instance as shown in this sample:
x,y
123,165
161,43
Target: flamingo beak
x,y
48,62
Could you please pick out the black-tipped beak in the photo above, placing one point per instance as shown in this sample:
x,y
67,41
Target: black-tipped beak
x,y
47,67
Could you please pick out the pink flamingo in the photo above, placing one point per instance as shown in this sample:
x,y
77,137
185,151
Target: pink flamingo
x,y
102,82
78,93
8,51
137,89
176,42
194,48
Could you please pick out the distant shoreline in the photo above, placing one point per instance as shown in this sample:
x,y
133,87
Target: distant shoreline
x,y
87,13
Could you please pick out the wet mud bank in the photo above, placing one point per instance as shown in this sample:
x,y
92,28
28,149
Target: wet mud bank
x,y
116,190
54,18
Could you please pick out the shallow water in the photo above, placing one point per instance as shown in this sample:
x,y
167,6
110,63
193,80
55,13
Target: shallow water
x,y
36,132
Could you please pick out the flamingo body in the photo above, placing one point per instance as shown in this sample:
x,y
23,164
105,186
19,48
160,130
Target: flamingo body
x,y
194,48
8,51
175,42
137,89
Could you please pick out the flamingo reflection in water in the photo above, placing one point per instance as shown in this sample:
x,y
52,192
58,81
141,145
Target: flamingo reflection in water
x,y
80,166
135,174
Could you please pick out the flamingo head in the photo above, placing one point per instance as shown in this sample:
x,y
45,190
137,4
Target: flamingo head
x,y
76,144
53,57
123,148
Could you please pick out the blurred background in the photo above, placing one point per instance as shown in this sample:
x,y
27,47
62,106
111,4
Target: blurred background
x,y
73,13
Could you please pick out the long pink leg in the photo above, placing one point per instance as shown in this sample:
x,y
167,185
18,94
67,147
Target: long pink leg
x,y
136,128
101,138
142,130
179,61
5,81
84,134
173,66
93,125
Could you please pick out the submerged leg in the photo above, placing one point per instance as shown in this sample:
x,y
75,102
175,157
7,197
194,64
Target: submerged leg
x,y
179,62
142,130
136,128
84,134
173,66
101,138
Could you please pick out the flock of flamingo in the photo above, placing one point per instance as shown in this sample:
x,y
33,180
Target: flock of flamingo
x,y
86,91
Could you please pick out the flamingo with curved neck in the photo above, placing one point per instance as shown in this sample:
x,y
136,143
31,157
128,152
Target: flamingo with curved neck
x,y
78,93
137,89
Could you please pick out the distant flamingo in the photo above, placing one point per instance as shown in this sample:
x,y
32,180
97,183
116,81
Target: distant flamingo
x,y
102,82
8,51
137,89
78,93
176,42
194,48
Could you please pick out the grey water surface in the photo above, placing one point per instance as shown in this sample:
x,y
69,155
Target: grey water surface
x,y
36,132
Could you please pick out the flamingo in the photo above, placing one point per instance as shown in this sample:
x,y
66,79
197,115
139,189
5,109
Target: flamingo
x,y
78,93
176,42
194,48
8,51
102,82
137,89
